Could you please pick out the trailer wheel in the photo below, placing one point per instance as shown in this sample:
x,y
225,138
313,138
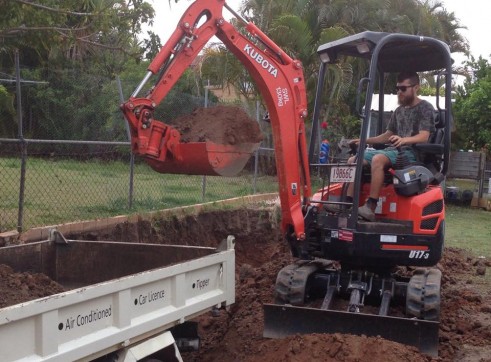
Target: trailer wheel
x,y
423,294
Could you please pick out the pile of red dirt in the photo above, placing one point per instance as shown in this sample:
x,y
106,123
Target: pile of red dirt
x,y
22,287
220,124
236,334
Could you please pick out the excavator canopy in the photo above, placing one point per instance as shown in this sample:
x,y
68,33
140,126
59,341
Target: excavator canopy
x,y
397,52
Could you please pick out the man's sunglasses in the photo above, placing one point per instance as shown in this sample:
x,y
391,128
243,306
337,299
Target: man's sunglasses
x,y
403,88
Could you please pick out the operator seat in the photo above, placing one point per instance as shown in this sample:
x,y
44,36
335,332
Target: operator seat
x,y
430,154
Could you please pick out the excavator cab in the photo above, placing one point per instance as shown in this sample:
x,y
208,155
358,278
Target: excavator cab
x,y
361,265
387,55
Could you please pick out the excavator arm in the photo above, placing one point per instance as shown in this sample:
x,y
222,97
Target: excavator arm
x,y
280,81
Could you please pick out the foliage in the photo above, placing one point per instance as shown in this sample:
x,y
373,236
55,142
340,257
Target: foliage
x,y
427,17
77,48
77,105
347,126
73,105
472,109
89,42
7,113
50,31
300,27
218,67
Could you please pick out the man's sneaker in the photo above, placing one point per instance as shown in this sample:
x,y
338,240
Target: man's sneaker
x,y
366,212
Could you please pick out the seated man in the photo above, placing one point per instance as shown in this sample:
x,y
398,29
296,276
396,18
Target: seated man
x,y
412,122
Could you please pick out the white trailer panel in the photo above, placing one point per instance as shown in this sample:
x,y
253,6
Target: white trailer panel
x,y
95,319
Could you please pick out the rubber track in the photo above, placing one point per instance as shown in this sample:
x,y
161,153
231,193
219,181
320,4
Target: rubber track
x,y
423,294
291,281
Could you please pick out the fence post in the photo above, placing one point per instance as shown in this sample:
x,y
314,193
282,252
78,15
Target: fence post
x,y
132,156
203,180
23,145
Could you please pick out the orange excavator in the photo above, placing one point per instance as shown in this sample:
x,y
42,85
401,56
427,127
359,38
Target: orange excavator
x,y
349,276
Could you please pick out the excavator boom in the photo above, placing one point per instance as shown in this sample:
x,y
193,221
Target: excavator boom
x,y
280,81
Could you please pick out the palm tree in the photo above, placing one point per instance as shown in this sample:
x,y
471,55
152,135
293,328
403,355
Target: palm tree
x,y
299,27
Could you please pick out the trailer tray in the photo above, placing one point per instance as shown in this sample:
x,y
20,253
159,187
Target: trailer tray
x,y
119,294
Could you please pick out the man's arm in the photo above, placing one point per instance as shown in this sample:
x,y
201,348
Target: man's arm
x,y
421,137
381,138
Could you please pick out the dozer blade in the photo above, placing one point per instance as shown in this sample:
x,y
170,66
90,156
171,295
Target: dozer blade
x,y
206,158
281,321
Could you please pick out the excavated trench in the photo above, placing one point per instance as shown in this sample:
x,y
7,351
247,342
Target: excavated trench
x,y
236,334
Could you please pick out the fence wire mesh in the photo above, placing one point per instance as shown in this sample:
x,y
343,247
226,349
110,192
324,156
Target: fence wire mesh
x,y
73,145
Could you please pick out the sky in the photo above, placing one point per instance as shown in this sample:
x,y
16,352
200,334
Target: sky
x,y
167,17
473,14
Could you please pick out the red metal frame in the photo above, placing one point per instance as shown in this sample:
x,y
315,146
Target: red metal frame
x,y
407,208
281,83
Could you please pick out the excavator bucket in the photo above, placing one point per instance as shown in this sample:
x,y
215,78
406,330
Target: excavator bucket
x,y
206,158
284,320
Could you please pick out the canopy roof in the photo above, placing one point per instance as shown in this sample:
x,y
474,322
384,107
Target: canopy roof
x,y
397,52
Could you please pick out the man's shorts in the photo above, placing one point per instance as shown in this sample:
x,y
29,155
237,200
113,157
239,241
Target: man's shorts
x,y
391,154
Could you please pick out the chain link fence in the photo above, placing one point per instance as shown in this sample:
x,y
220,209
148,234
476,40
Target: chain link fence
x,y
67,156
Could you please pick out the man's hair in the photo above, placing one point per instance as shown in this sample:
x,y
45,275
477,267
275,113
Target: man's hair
x,y
412,76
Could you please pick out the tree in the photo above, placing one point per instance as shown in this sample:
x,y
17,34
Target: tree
x,y
300,27
78,47
221,68
7,113
49,30
472,109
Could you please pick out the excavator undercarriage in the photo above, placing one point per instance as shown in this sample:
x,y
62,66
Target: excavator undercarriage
x,y
318,297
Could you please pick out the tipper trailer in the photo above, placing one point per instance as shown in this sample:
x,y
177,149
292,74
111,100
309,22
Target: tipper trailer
x,y
121,300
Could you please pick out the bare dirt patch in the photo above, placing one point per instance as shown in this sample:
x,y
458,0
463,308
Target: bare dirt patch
x,y
236,334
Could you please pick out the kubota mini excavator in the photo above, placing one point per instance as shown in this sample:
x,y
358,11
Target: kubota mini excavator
x,y
409,226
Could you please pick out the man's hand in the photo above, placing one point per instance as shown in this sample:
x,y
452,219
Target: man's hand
x,y
397,141
353,145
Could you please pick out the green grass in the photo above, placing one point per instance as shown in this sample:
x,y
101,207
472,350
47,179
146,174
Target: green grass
x,y
67,190
468,228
